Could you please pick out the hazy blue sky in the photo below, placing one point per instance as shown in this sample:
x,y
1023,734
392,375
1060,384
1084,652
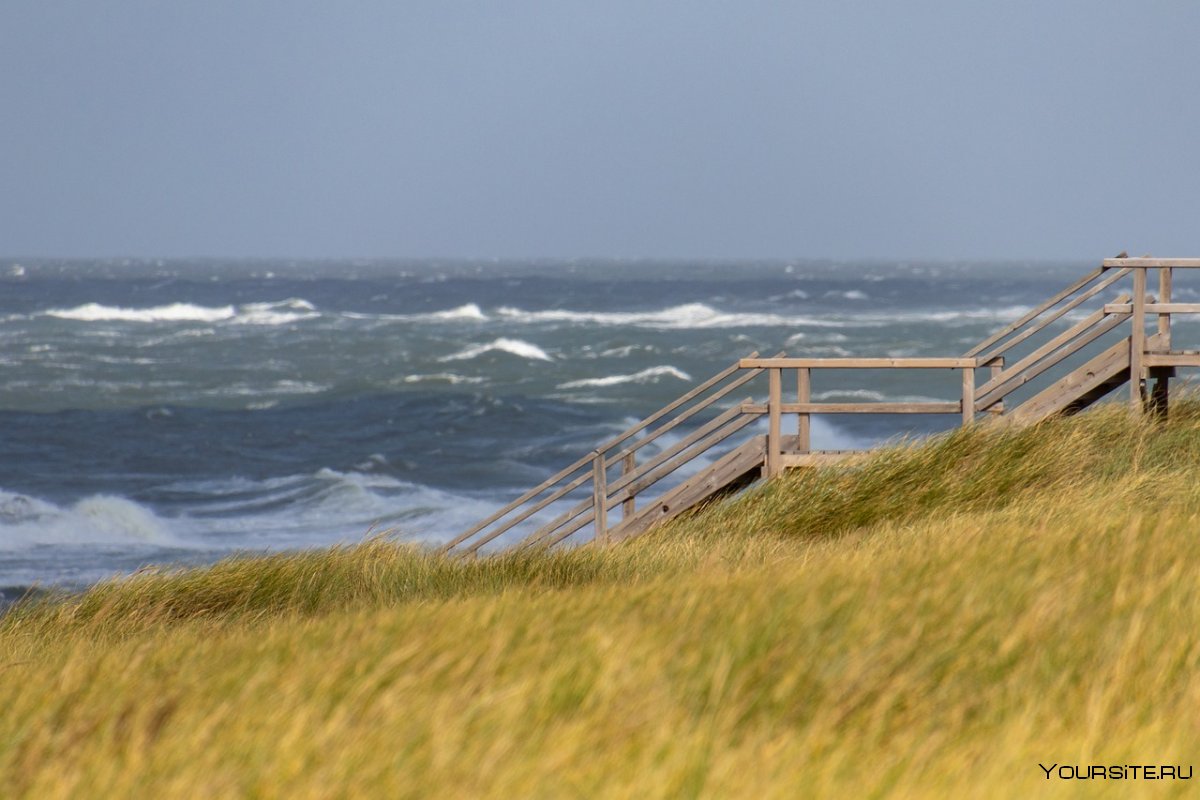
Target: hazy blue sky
x,y
607,128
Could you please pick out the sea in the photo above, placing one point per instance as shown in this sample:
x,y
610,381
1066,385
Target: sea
x,y
175,412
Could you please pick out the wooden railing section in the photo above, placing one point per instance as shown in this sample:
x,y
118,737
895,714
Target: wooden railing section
x,y
601,493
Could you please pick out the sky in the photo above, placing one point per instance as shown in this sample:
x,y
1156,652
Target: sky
x,y
613,128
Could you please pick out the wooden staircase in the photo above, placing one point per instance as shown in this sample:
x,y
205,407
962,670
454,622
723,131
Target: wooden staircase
x,y
1057,368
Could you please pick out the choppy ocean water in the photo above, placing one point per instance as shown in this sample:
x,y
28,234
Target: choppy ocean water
x,y
175,412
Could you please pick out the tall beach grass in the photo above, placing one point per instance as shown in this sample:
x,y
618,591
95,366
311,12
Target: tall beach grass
x,y
934,621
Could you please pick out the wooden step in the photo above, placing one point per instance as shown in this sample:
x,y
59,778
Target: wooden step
x,y
1078,390
730,473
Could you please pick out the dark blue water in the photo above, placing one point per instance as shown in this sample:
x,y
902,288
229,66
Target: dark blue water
x,y
173,412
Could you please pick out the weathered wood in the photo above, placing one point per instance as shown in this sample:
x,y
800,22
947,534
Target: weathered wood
x,y
860,408
968,396
652,472
774,410
1179,358
858,363
735,467
1152,263
600,497
1137,339
1162,309
1101,371
1060,347
995,367
1034,313
1057,314
628,467
804,395
797,460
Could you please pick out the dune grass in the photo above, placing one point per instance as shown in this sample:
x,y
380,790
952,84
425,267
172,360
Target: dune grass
x,y
934,622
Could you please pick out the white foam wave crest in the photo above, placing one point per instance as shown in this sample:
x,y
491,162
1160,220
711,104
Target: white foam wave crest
x,y
516,347
873,396
276,313
321,508
174,312
698,316
27,522
650,375
687,316
443,377
468,312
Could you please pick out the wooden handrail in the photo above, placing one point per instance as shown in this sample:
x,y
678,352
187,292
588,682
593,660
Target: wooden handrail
x,y
1035,312
1060,347
551,537
860,363
625,480
1151,263
1056,315
580,463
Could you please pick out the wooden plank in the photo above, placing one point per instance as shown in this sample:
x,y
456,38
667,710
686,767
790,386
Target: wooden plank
x,y
600,497
732,468
1137,339
1102,369
1165,279
1176,359
1154,308
858,363
628,467
995,367
860,408
1035,312
1045,357
1151,263
800,460
804,395
1057,314
774,402
968,396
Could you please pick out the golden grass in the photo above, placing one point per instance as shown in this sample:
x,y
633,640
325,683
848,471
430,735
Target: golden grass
x,y
934,623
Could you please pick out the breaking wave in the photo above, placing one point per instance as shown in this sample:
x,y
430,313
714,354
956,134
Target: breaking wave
x,y
516,347
97,520
277,313
650,375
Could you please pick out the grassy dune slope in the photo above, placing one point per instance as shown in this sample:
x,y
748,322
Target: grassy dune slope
x,y
937,621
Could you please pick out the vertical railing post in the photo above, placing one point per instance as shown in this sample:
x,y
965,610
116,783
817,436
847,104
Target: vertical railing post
x,y
968,396
1164,296
628,466
1137,341
600,497
996,366
804,395
1160,397
774,403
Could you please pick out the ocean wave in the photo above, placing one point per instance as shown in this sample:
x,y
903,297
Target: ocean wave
x,y
468,312
872,396
650,375
516,347
97,520
687,316
442,377
273,313
174,312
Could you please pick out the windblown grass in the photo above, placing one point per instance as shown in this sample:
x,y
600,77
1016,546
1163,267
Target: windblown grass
x,y
935,622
